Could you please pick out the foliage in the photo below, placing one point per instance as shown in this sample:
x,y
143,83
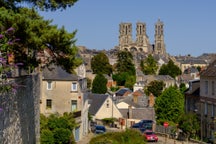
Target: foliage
x,y
100,64
42,4
35,35
113,89
149,65
130,136
108,121
170,69
182,87
199,68
189,124
125,63
155,87
125,70
99,84
89,83
169,106
56,128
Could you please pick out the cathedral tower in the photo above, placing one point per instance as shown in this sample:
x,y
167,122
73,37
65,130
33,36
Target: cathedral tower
x,y
159,47
142,41
125,37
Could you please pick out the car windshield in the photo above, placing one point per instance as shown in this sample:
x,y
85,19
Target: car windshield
x,y
149,133
100,127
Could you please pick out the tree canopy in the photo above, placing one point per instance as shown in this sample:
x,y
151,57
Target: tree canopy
x,y
155,87
42,4
99,84
170,69
125,73
169,106
100,64
34,34
149,65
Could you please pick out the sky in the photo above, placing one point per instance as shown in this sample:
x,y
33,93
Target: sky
x,y
189,25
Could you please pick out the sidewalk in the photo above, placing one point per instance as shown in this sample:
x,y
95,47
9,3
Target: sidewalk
x,y
86,139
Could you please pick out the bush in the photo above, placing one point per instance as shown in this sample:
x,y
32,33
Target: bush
x,y
130,136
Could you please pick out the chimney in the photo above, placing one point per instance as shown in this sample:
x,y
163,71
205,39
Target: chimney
x,y
129,112
151,100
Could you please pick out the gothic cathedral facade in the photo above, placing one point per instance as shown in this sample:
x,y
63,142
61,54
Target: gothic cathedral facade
x,y
141,44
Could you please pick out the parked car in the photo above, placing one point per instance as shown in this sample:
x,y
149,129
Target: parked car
x,y
143,125
150,136
100,129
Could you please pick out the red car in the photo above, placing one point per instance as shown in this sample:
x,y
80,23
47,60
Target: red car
x,y
150,136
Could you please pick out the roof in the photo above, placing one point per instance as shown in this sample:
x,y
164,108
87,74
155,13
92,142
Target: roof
x,y
122,91
96,101
54,72
139,113
210,71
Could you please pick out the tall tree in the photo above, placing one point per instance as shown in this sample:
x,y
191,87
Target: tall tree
x,y
35,35
149,65
155,87
99,84
42,4
125,73
169,106
100,64
170,69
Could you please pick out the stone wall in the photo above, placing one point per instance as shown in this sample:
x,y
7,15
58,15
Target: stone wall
x,y
20,114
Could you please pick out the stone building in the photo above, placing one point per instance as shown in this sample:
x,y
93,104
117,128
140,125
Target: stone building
x,y
141,44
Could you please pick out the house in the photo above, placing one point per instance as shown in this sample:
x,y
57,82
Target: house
x,y
207,106
102,106
63,92
122,93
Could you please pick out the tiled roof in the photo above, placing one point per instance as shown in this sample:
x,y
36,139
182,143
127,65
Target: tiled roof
x,y
96,101
122,91
54,72
139,113
210,71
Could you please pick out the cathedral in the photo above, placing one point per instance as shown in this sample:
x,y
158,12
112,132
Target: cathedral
x,y
141,44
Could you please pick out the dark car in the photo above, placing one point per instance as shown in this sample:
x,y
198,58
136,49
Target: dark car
x,y
143,125
100,129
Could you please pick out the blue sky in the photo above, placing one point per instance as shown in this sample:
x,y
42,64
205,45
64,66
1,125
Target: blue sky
x,y
189,25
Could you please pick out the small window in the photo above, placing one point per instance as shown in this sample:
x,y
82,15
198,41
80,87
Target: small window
x,y
48,103
206,108
213,88
49,85
74,86
107,104
206,87
73,105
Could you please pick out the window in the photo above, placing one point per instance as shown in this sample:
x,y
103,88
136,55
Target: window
x,y
213,88
74,86
107,103
49,85
206,87
73,105
206,108
212,111
48,103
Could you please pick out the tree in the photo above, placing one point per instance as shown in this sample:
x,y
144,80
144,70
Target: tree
x,y
125,70
149,65
35,35
169,106
42,4
189,124
99,84
155,87
100,64
170,69
57,128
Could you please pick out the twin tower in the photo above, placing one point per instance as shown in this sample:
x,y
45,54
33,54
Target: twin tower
x,y
141,44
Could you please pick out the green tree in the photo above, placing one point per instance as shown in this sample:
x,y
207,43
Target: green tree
x,y
125,74
155,87
189,124
182,87
99,84
170,69
149,65
35,35
42,4
100,64
169,106
62,135
47,137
